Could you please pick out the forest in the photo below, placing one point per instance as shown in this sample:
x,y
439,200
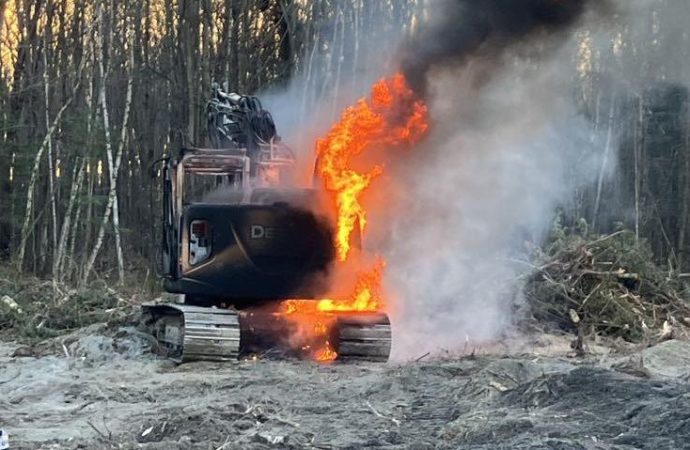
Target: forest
x,y
92,93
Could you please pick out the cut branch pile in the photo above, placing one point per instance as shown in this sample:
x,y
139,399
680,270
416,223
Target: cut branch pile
x,y
609,286
32,309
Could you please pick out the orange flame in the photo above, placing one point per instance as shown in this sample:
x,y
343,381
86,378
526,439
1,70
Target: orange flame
x,y
313,331
391,118
367,295
325,353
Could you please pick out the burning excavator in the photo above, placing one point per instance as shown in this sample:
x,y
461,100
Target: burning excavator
x,y
254,256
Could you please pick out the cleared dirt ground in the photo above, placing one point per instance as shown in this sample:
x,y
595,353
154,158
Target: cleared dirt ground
x,y
106,390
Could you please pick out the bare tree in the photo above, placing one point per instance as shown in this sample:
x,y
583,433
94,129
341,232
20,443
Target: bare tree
x,y
113,162
32,182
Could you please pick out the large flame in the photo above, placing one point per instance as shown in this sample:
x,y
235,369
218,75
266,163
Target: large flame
x,y
390,118
349,159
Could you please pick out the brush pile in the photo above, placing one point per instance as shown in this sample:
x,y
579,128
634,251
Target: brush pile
x,y
32,309
609,286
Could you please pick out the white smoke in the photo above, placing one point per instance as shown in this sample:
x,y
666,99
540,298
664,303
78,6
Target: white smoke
x,y
509,146
503,154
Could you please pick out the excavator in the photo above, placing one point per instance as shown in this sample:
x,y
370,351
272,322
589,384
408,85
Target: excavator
x,y
238,239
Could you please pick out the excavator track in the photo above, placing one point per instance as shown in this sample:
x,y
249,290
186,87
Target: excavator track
x,y
192,333
363,337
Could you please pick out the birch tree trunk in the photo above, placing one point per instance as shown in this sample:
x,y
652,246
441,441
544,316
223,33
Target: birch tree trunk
x,y
113,163
70,252
120,151
307,84
639,136
604,163
77,270
87,222
77,177
684,198
51,167
32,181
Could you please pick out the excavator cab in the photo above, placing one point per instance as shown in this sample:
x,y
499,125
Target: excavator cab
x,y
234,232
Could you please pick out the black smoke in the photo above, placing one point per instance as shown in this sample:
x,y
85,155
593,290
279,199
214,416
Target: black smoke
x,y
458,30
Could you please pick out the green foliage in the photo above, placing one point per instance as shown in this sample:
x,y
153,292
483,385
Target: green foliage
x,y
611,282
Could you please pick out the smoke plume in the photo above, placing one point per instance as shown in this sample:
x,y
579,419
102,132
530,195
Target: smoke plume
x,y
459,30
508,146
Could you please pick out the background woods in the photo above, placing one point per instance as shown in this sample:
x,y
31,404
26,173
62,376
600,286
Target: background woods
x,y
93,92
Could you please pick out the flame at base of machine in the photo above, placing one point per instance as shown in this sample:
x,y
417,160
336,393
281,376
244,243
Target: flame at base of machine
x,y
314,320
366,297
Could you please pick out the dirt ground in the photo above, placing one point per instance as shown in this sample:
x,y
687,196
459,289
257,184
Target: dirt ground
x,y
104,389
